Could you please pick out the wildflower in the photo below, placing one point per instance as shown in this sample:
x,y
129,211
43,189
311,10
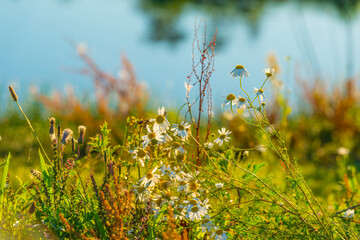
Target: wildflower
x,y
166,137
230,99
343,151
166,170
140,155
239,71
66,135
150,179
223,136
348,214
206,224
179,212
142,193
178,148
195,213
161,123
151,136
82,130
219,185
183,186
261,148
260,93
208,144
219,234
269,72
181,130
241,103
188,87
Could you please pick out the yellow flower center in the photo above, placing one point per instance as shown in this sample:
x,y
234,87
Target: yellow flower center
x,y
242,99
219,232
269,74
182,183
193,186
239,67
261,91
175,144
181,127
193,202
230,97
160,119
141,153
179,209
164,185
205,220
222,136
149,175
151,135
195,209
141,189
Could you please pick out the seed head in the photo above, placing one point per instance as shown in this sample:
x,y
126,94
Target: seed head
x,y
82,130
66,135
52,127
13,94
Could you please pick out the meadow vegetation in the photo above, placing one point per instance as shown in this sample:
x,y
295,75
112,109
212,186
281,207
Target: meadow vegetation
x,y
251,172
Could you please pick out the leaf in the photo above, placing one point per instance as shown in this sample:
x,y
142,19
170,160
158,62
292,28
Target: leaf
x,y
3,180
100,226
257,167
161,213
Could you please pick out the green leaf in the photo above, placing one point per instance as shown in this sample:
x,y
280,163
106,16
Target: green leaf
x,y
3,180
257,167
161,213
100,226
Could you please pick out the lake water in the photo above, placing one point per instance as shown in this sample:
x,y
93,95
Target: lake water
x,y
35,49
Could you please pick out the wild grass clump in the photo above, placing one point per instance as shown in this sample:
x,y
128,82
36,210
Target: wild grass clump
x,y
178,179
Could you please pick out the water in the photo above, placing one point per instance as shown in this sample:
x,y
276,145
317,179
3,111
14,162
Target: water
x,y
35,48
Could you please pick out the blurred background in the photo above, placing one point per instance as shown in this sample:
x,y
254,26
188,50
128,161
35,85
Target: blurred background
x,y
84,62
311,39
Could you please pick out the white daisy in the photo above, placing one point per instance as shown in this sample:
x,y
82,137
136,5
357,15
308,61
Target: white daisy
x,y
142,193
150,179
140,155
196,213
179,212
209,144
223,136
183,185
166,137
348,214
219,185
241,103
178,148
181,130
269,72
161,123
260,93
239,71
206,224
219,234
152,135
230,99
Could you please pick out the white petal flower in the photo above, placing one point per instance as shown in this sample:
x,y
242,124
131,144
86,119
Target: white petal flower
x,y
161,123
219,185
219,234
181,130
269,72
348,214
239,71
150,179
223,136
152,135
140,155
206,224
230,99
241,103
142,193
260,93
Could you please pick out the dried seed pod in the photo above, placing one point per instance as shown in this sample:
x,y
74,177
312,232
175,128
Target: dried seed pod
x,y
82,130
